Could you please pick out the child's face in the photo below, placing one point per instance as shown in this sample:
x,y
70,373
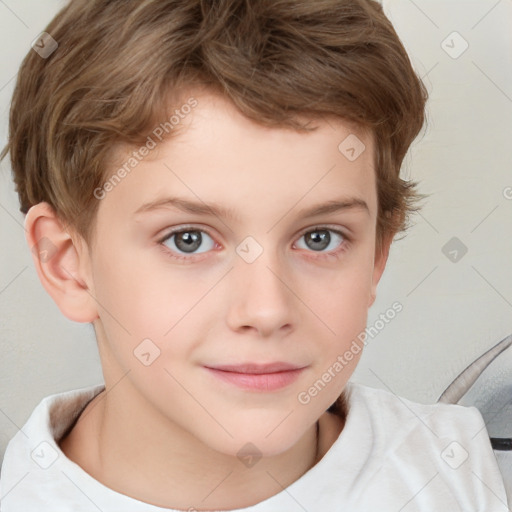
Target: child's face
x,y
251,288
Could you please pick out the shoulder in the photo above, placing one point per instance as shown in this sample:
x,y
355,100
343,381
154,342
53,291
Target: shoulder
x,y
397,423
33,461
441,448
398,411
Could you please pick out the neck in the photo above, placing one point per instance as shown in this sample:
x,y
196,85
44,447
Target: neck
x,y
133,451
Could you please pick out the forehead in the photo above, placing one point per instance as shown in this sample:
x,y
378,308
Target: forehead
x,y
216,154
215,121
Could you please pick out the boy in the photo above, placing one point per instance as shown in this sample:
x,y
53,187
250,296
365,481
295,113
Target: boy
x,y
215,187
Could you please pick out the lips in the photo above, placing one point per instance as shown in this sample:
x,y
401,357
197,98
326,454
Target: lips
x,y
257,377
257,368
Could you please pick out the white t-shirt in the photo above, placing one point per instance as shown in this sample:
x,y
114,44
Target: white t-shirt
x,y
392,455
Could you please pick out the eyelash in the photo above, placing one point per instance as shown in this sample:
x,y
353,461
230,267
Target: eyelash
x,y
345,243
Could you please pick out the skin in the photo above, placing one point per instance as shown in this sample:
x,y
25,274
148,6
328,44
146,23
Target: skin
x,y
171,421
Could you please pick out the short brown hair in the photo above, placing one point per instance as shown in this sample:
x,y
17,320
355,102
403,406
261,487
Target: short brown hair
x,y
120,62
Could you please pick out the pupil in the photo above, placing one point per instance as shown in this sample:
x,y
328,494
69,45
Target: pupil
x,y
188,241
320,239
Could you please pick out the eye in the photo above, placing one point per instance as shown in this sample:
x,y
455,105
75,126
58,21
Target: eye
x,y
183,243
319,239
187,241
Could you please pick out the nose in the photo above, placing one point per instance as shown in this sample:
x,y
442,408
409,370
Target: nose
x,y
261,296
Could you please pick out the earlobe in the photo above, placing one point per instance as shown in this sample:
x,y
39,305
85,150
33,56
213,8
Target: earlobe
x,y
59,264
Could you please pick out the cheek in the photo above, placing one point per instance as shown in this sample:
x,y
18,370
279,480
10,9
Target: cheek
x,y
342,308
139,300
344,293
134,288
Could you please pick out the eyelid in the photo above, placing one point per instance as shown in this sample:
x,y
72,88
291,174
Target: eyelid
x,y
330,227
184,227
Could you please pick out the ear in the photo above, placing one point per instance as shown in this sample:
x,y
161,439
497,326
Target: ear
x,y
62,265
381,258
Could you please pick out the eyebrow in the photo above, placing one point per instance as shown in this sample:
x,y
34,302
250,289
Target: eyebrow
x,y
214,209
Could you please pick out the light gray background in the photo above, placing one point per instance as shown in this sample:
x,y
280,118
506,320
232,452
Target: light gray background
x,y
452,311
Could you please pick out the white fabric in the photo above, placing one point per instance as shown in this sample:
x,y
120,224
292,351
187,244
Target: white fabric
x,y
393,455
504,459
